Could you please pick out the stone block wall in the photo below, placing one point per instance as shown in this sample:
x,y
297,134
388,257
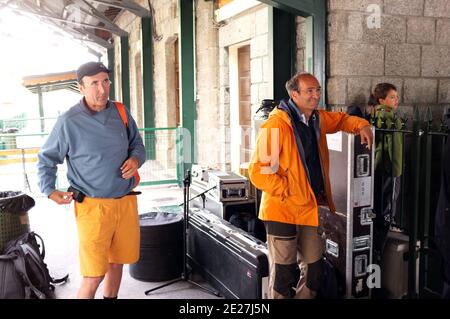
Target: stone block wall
x,y
410,48
132,24
167,26
213,42
301,53
207,73
165,33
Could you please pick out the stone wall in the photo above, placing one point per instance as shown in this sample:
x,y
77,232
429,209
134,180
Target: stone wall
x,y
249,27
167,26
300,40
207,75
410,48
132,24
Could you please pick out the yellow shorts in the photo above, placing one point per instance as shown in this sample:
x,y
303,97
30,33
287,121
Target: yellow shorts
x,y
108,232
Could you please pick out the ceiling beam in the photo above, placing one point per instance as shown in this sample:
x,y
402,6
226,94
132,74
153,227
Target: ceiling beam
x,y
79,24
47,16
94,13
82,34
126,5
85,35
5,4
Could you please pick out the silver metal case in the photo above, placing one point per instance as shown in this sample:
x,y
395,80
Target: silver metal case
x,y
200,174
228,186
349,231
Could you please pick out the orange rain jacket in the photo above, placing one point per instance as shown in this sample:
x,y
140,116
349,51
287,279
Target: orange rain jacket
x,y
278,171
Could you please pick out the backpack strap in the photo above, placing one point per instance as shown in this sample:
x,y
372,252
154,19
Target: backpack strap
x,y
123,115
42,252
29,247
58,281
19,264
42,255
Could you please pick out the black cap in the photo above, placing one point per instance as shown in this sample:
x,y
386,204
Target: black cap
x,y
91,68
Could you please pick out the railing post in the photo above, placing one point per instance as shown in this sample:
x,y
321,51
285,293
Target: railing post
x,y
400,217
179,156
413,218
425,194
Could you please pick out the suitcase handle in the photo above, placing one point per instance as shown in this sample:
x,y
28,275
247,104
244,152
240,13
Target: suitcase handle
x,y
235,243
249,239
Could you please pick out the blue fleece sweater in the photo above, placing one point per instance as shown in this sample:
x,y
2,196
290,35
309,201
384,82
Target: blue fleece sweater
x,y
95,145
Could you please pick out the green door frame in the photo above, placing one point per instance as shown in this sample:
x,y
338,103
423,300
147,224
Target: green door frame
x,y
316,9
187,79
284,46
147,76
111,62
125,65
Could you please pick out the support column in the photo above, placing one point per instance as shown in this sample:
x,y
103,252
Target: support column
x,y
187,69
41,108
125,65
112,91
147,75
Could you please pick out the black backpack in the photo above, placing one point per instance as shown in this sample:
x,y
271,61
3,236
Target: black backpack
x,y
23,273
244,221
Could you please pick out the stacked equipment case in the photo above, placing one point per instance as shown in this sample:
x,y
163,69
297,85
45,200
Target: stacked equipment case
x,y
349,231
227,197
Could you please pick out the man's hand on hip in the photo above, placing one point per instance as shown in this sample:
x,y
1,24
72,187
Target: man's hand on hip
x,y
61,198
129,167
366,136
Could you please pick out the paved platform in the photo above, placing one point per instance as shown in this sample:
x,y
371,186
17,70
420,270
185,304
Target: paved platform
x,y
56,224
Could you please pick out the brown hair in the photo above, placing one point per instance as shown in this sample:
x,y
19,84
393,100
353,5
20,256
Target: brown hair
x,y
381,91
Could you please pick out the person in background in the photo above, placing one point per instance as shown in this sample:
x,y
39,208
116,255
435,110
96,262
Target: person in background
x,y
388,163
102,157
354,110
290,166
370,108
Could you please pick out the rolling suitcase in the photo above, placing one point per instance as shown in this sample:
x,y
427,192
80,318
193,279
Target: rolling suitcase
x,y
234,262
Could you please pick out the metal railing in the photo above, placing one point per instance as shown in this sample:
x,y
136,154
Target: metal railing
x,y
420,174
18,158
161,166
39,124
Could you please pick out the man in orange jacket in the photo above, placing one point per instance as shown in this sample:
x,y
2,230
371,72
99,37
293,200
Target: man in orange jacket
x,y
290,166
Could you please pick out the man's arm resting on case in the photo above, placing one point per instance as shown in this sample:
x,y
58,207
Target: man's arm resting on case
x,y
366,136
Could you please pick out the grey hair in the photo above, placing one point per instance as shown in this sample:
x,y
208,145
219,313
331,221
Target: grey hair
x,y
293,83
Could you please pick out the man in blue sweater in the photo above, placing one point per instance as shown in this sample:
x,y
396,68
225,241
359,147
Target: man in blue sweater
x,y
102,156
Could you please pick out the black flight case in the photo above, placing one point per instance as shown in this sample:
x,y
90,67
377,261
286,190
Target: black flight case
x,y
233,261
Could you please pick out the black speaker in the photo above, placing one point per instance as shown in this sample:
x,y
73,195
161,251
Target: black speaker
x,y
161,248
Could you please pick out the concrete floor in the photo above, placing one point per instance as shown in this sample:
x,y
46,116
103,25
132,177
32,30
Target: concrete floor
x,y
56,225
